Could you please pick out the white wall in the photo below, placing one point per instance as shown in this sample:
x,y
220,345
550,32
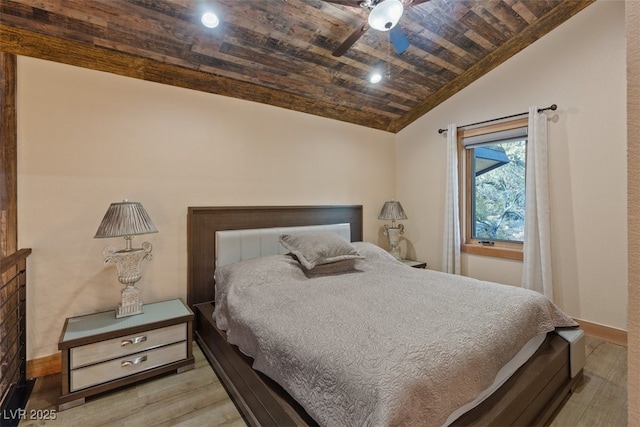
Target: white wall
x,y
87,138
580,66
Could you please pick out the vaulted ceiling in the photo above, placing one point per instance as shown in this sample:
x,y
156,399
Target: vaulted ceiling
x,y
279,52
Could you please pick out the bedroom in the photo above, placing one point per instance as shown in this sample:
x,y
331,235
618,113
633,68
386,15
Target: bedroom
x,y
134,139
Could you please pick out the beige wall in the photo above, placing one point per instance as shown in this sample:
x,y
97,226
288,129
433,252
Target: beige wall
x,y
633,111
580,66
87,139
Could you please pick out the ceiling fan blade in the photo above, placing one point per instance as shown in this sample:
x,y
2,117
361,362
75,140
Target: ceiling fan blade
x,y
398,39
351,40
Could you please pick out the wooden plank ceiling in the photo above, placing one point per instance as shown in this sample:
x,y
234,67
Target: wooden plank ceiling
x,y
279,52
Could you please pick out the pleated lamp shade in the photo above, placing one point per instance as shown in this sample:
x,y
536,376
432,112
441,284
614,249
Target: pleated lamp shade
x,y
125,219
393,211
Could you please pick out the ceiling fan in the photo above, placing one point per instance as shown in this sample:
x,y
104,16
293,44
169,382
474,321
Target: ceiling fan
x,y
383,16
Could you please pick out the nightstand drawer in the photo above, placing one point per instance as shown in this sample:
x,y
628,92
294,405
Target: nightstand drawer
x,y
124,366
128,344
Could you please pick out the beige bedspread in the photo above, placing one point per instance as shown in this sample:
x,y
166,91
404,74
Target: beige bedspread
x,y
388,345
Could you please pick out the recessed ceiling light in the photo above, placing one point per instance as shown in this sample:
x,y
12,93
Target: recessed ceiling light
x,y
210,20
375,78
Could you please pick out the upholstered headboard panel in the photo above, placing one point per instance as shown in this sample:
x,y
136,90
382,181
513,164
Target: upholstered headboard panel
x,y
238,245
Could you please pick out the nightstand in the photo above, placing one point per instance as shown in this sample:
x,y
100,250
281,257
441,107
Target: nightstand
x,y
100,352
414,264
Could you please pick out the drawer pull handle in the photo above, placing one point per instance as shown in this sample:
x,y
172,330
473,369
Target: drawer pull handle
x,y
132,362
136,340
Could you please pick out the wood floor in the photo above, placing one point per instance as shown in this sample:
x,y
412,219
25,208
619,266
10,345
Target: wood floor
x,y
601,398
196,398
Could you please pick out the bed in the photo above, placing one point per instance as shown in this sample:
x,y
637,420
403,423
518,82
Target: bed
x,y
530,396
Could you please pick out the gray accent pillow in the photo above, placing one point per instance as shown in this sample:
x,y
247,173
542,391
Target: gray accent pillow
x,y
320,248
331,269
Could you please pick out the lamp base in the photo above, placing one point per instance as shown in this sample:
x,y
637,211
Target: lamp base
x,y
131,303
394,233
128,263
395,252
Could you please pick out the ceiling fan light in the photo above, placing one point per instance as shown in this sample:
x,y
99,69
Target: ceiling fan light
x,y
385,15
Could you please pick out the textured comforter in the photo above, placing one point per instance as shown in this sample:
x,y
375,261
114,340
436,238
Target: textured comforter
x,y
386,345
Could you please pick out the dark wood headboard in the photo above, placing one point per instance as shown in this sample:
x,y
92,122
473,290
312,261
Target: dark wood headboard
x,y
203,222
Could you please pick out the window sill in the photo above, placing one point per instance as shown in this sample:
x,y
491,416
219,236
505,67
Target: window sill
x,y
493,251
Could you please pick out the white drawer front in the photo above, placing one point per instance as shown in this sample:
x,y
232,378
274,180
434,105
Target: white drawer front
x,y
129,344
131,364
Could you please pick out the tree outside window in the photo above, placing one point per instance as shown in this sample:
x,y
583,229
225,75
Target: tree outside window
x,y
499,191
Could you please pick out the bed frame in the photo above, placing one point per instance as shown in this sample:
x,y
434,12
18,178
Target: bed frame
x,y
532,396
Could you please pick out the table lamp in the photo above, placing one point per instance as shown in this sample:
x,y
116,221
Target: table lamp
x,y
127,219
393,211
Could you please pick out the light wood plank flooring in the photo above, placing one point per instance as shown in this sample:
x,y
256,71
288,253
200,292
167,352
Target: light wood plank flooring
x,y
601,399
196,398
191,398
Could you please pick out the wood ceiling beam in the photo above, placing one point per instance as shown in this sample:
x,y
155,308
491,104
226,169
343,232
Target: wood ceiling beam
x,y
8,156
24,42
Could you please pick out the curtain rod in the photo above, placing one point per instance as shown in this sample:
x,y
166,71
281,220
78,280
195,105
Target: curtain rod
x,y
552,107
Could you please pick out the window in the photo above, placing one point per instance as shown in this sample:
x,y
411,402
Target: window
x,y
492,168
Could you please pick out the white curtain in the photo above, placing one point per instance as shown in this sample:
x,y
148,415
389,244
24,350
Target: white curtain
x,y
536,269
451,238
